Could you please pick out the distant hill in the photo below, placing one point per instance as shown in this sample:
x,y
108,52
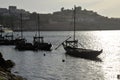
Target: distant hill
x,y
60,20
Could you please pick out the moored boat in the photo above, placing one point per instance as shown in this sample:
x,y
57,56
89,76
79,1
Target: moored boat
x,y
41,45
22,43
80,52
72,49
7,39
38,40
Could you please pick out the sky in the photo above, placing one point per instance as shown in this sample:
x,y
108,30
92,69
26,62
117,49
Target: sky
x,y
107,8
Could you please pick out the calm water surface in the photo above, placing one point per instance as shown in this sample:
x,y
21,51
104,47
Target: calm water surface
x,y
36,66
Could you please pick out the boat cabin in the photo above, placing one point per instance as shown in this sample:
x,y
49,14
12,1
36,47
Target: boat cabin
x,y
38,39
9,37
39,44
72,44
1,37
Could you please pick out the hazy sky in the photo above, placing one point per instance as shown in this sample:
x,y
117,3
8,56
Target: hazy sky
x,y
108,8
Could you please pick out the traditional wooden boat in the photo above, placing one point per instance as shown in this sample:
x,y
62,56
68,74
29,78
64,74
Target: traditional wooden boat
x,y
38,40
7,39
72,49
41,45
79,52
22,43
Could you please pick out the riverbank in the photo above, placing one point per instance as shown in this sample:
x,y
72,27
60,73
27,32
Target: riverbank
x,y
5,70
5,75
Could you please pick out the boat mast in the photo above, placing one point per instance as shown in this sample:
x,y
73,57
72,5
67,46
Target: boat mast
x,y
21,25
38,28
0,33
74,13
12,25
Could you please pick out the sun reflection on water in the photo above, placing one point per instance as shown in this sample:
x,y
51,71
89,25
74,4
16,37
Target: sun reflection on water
x,y
110,42
35,66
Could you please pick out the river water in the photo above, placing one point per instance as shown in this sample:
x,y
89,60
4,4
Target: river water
x,y
35,66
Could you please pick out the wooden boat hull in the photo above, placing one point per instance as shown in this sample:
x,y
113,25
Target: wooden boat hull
x,y
43,46
83,53
7,42
25,46
21,45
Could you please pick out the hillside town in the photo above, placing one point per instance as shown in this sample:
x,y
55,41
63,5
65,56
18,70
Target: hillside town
x,y
61,20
